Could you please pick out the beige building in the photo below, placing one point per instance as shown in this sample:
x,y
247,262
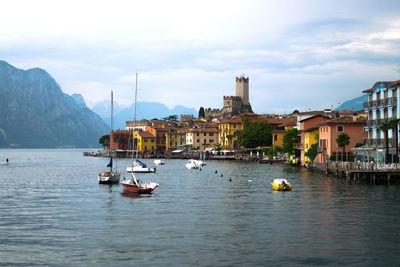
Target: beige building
x,y
202,138
175,137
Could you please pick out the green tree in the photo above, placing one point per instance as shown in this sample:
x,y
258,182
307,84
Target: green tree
x,y
202,114
343,140
295,111
171,118
258,133
104,140
290,142
312,152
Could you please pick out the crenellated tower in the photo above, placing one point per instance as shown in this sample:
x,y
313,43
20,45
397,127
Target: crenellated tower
x,y
242,89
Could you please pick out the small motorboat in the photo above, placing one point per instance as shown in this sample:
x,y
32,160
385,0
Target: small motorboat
x,y
191,165
281,185
159,162
199,163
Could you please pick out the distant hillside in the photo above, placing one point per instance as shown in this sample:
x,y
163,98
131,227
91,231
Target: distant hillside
x,y
35,113
144,110
355,104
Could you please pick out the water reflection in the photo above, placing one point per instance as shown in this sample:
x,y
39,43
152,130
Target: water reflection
x,y
129,194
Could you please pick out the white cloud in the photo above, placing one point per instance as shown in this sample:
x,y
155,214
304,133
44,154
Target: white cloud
x,y
298,54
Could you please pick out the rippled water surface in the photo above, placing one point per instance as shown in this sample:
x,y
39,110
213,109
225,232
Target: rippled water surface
x,y
53,212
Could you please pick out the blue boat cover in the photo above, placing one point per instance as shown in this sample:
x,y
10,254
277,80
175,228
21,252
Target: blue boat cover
x,y
110,163
141,163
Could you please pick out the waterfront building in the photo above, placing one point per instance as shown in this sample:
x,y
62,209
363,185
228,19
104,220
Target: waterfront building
x,y
120,140
203,138
146,142
175,137
159,131
307,126
279,132
329,130
381,107
136,125
228,129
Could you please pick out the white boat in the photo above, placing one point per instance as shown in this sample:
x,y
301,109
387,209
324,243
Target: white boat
x,y
159,162
191,165
140,167
110,176
199,163
138,186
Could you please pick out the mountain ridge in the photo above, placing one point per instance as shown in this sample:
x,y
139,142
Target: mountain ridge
x,y
37,114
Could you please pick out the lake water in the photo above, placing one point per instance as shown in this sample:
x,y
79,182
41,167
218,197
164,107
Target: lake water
x,y
54,212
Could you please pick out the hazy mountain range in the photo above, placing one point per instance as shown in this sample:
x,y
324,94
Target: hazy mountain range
x,y
355,104
35,113
144,110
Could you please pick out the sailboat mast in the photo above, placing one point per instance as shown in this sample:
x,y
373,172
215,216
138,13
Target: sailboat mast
x,y
111,133
137,143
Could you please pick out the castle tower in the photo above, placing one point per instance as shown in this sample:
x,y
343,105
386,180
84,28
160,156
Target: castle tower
x,y
242,89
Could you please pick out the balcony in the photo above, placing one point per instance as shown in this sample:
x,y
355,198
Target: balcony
x,y
379,142
391,101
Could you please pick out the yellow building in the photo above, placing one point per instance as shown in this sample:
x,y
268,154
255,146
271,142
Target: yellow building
x,y
175,137
227,132
310,138
145,141
279,132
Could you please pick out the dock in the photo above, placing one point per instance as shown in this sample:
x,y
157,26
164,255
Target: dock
x,y
372,172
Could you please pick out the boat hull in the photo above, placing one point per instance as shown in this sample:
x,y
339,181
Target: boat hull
x,y
109,178
280,187
132,187
140,169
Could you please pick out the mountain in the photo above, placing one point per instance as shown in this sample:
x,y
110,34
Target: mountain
x,y
144,110
37,114
355,104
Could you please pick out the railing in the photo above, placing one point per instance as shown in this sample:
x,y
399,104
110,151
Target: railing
x,y
380,142
391,101
358,166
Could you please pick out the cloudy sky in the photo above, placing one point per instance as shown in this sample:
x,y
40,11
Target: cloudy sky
x,y
298,54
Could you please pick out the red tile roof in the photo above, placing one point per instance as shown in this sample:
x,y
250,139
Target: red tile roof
x,y
344,120
146,134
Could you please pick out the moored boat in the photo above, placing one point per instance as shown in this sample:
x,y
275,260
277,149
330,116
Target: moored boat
x,y
138,186
140,167
159,162
109,177
281,185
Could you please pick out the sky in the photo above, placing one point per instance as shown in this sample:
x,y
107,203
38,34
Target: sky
x,y
297,54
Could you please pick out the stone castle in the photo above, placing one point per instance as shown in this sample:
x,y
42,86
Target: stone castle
x,y
233,105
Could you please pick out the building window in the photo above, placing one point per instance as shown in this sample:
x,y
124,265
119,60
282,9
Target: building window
x,y
275,137
340,128
321,129
198,140
211,134
211,141
198,134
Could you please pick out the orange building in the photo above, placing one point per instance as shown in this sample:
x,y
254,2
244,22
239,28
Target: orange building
x,y
353,126
307,125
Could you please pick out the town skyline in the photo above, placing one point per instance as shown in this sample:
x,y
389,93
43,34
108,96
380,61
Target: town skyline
x,y
297,55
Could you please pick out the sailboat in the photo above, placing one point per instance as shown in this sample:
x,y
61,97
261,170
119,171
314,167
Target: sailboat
x,y
134,184
137,165
110,176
